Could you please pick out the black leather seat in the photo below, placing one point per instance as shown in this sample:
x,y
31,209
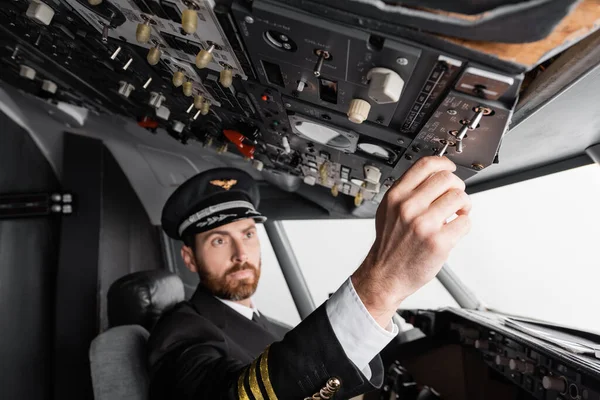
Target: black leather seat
x,y
118,355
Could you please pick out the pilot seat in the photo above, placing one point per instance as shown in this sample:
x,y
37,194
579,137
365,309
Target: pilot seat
x,y
118,357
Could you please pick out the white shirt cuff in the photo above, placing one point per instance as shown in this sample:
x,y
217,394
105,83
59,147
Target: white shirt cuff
x,y
361,337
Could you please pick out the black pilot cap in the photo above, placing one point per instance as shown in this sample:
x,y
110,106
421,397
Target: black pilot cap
x,y
211,199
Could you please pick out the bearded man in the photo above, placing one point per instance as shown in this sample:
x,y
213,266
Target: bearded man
x,y
218,346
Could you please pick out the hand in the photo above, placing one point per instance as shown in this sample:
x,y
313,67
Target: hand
x,y
413,239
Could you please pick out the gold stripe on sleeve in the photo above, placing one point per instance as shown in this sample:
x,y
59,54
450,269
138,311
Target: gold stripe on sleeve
x,y
242,395
256,392
264,373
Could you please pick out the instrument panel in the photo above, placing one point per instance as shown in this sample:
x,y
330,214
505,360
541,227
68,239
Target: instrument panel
x,y
342,107
512,348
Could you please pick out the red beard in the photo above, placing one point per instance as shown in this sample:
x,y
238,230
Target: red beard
x,y
227,288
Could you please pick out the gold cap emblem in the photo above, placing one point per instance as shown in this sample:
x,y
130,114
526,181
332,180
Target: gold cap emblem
x,y
225,184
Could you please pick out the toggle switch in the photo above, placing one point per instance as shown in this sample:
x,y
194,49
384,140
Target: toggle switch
x,y
444,149
323,55
127,64
115,53
301,85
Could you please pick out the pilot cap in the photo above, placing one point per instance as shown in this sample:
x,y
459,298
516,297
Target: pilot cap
x,y
211,199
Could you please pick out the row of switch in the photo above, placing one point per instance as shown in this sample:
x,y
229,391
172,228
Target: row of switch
x,y
549,382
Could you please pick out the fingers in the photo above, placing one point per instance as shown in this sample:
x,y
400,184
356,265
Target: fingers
x,y
456,230
419,172
454,201
434,187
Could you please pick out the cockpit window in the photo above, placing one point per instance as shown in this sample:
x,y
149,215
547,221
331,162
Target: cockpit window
x,y
533,248
328,251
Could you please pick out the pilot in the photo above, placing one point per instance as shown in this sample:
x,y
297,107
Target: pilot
x,y
218,345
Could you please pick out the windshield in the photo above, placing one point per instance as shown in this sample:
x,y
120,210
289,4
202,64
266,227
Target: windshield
x,y
534,248
328,251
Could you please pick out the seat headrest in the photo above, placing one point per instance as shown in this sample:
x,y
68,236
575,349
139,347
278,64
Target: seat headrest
x,y
140,298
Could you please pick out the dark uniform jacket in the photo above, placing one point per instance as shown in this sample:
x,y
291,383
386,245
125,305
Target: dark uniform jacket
x,y
203,349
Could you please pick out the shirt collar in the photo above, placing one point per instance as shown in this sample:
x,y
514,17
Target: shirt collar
x,y
245,311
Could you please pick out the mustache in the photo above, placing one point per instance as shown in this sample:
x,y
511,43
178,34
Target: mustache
x,y
240,267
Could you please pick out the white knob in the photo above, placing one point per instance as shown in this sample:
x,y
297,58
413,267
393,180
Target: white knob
x,y
358,111
372,174
163,113
482,344
385,85
258,165
50,87
501,360
554,383
178,126
521,366
27,72
40,12
125,89
310,180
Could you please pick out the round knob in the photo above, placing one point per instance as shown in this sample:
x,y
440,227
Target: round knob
x,y
205,108
521,366
258,165
554,383
50,87
204,57
27,72
188,89
501,360
178,126
142,33
226,77
94,2
482,344
189,21
178,78
198,102
358,111
153,56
